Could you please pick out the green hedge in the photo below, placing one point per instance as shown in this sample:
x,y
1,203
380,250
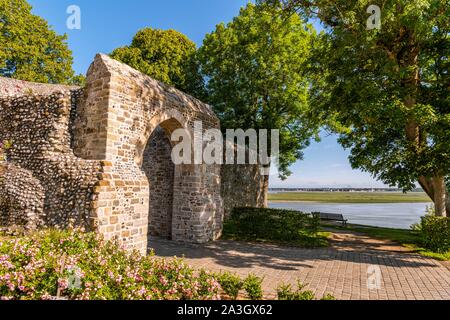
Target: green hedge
x,y
274,224
435,233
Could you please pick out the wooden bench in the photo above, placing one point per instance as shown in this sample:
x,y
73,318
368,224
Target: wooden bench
x,y
332,217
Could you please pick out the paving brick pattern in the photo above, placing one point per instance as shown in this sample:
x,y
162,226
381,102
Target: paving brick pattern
x,y
341,269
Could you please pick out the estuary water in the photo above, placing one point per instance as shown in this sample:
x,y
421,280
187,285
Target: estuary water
x,y
390,215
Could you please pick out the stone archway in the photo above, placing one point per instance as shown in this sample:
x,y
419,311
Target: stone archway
x,y
154,154
120,110
160,171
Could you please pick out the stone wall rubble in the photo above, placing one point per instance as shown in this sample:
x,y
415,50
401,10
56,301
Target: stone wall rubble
x,y
79,154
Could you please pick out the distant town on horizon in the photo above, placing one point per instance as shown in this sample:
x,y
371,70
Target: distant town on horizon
x,y
346,189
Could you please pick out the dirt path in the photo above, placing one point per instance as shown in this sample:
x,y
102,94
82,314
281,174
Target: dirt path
x,y
354,241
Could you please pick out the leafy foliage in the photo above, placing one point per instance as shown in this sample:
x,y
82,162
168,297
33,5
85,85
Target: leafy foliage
x,y
30,49
230,284
435,233
165,55
328,296
278,225
253,67
252,285
36,266
285,292
385,91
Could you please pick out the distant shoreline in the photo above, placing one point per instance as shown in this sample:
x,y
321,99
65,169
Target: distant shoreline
x,y
349,197
349,202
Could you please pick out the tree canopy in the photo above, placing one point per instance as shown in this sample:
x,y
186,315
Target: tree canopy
x,y
386,91
255,79
165,55
30,50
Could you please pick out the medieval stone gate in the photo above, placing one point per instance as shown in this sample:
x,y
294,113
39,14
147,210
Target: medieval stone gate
x,y
99,157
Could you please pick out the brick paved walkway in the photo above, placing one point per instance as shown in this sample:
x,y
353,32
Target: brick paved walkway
x,y
340,269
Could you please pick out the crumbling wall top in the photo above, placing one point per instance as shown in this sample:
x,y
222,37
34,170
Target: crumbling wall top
x,y
12,87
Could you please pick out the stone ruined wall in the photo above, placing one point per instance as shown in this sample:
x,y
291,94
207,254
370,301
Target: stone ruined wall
x,y
118,112
241,186
86,149
36,119
21,198
160,171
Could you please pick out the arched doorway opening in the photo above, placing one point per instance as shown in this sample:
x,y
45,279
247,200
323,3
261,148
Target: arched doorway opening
x,y
160,171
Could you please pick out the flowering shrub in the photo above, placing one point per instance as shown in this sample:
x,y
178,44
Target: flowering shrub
x,y
79,265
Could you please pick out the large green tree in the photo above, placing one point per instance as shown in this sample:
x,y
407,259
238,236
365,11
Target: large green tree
x,y
29,49
255,79
165,55
388,88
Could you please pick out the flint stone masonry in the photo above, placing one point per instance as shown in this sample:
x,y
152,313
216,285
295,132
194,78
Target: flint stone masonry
x,y
21,198
98,158
36,119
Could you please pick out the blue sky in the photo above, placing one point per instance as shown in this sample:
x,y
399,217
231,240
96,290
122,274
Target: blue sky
x,y
106,25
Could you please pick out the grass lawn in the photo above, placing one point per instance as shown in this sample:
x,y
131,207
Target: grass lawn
x,y
408,238
350,197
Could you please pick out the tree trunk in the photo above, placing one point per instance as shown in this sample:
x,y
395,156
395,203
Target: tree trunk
x,y
262,178
440,196
437,191
265,190
447,204
427,186
434,187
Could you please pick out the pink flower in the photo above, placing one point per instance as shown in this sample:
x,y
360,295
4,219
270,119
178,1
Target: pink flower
x,y
46,296
163,280
63,284
142,290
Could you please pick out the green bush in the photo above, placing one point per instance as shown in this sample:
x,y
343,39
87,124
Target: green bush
x,y
285,292
429,211
274,224
252,285
83,266
435,232
230,284
328,296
